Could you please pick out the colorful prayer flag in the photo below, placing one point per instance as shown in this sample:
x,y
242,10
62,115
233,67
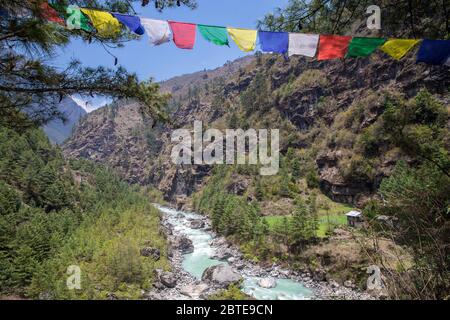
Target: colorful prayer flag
x,y
434,52
107,26
50,14
183,34
303,44
363,47
398,48
132,22
74,18
245,39
333,47
216,35
158,31
277,42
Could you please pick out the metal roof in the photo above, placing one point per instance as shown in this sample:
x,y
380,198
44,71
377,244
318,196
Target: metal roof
x,y
353,214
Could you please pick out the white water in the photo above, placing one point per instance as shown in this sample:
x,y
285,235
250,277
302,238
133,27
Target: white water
x,y
195,263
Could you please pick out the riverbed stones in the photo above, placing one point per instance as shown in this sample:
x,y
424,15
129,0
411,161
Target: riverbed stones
x,y
149,252
194,291
183,244
349,284
319,275
267,283
168,279
222,254
223,275
197,224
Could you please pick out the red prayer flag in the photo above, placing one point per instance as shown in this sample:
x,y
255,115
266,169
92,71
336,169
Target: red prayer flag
x,y
183,34
50,14
333,47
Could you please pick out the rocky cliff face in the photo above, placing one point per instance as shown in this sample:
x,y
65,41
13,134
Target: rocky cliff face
x,y
120,136
327,105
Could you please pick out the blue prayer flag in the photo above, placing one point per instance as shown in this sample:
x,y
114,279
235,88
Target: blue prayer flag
x,y
132,22
435,52
277,42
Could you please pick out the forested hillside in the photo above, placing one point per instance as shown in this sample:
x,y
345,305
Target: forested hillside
x,y
54,214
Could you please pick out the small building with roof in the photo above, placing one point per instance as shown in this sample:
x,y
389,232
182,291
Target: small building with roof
x,y
354,218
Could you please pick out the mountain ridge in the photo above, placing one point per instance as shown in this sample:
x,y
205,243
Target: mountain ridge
x,y
310,101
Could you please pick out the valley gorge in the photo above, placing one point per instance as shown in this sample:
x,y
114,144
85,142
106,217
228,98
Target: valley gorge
x,y
136,164
329,115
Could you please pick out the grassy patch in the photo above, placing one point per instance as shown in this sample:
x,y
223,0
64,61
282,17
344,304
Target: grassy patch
x,y
328,219
329,222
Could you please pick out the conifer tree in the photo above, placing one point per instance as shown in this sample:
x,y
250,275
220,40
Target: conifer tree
x,y
30,88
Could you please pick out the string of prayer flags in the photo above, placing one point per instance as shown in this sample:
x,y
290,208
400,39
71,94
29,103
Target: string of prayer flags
x,y
245,39
183,34
50,14
276,42
333,47
132,22
398,48
109,25
303,44
216,35
364,47
158,31
434,52
106,25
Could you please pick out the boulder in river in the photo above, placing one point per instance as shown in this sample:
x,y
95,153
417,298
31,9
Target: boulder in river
x,y
183,244
168,279
197,224
151,253
223,275
267,283
222,254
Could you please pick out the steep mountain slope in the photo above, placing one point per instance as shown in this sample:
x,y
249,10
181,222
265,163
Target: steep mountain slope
x,y
325,111
58,130
118,135
179,86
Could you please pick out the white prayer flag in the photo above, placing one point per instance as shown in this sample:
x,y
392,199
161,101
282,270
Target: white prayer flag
x,y
303,44
158,31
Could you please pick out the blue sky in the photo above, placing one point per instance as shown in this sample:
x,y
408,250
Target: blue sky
x,y
166,61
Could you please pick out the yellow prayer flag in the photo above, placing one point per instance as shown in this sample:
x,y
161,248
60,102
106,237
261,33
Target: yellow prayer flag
x,y
398,48
106,25
244,38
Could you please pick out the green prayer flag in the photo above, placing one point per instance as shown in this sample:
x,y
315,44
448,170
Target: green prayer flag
x,y
363,47
216,35
75,19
